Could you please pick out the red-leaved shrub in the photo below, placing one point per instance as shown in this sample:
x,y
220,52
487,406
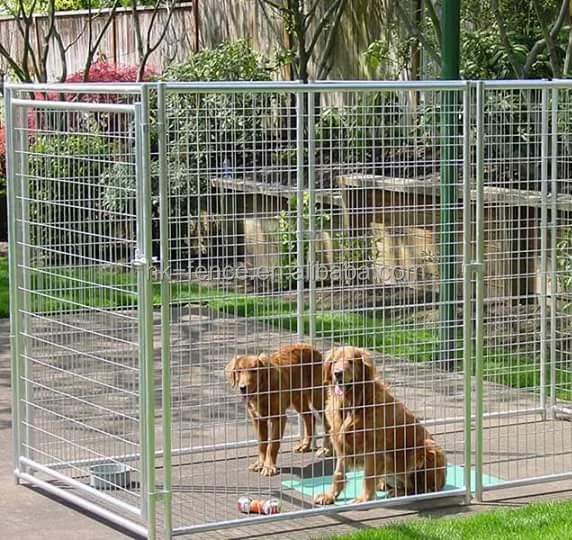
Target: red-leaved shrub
x,y
100,71
104,71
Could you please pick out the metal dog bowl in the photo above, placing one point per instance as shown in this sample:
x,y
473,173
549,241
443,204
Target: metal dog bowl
x,y
109,476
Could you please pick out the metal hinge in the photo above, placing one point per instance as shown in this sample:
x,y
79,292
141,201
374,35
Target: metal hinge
x,y
474,267
139,261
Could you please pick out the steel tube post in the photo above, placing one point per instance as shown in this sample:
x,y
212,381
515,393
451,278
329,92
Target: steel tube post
x,y
553,247
448,188
467,291
544,127
164,235
145,311
300,232
13,261
311,218
479,292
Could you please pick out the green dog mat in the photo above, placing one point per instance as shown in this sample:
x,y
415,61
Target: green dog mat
x,y
320,484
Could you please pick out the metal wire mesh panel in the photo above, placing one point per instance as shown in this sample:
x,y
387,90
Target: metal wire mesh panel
x,y
559,249
301,218
524,220
76,374
240,290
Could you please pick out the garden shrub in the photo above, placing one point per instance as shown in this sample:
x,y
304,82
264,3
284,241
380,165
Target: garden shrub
x,y
361,136
65,190
288,230
185,190
102,70
221,132
215,134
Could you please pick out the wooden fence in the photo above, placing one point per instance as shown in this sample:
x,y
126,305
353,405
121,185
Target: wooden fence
x,y
118,43
218,20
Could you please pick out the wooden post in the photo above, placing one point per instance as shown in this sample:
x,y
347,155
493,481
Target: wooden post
x,y
196,24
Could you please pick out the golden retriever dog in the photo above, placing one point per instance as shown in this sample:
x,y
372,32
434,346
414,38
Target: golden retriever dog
x,y
371,428
270,384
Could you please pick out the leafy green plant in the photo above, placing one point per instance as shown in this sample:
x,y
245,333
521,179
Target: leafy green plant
x,y
230,61
225,133
564,265
387,59
362,134
354,252
65,190
485,57
288,230
187,189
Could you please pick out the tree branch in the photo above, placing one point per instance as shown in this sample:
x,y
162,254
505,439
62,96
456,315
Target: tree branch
x,y
568,56
137,27
505,39
151,48
548,40
339,4
47,37
62,51
537,47
414,32
18,71
324,66
434,19
93,45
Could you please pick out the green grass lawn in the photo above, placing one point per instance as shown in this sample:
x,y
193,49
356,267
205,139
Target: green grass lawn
x,y
538,521
73,289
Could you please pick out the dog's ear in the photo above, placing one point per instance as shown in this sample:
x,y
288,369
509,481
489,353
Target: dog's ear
x,y
230,371
367,363
327,367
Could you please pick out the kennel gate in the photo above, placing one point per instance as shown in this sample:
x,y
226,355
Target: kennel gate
x,y
183,200
79,376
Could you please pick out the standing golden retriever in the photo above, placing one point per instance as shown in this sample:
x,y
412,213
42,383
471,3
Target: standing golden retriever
x,y
370,427
269,384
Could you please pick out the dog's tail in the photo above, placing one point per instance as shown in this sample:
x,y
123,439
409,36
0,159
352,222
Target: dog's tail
x,y
433,475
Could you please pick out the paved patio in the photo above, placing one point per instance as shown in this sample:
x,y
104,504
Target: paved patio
x,y
512,450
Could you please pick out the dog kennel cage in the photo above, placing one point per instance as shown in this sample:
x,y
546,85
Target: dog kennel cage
x,y
156,230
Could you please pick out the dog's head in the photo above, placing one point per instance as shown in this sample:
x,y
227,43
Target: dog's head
x,y
346,366
249,373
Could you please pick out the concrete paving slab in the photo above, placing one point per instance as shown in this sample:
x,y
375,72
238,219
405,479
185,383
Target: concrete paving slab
x,y
30,514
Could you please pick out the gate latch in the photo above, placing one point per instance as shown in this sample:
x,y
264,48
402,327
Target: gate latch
x,y
139,261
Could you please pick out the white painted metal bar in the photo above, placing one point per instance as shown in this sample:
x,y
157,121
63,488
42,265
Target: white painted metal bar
x,y
73,106
69,497
81,487
88,87
312,86
333,509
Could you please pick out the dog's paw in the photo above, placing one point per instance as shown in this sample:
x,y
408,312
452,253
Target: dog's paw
x,y
256,466
362,498
304,446
268,470
324,498
324,452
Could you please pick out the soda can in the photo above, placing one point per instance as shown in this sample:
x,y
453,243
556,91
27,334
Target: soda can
x,y
243,505
271,506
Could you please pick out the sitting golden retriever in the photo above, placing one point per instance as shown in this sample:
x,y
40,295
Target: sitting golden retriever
x,y
269,384
370,427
